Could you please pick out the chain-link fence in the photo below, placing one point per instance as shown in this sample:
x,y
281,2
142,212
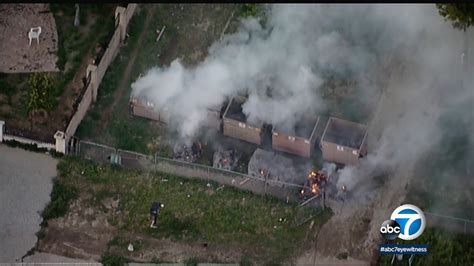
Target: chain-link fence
x,y
129,159
259,185
450,223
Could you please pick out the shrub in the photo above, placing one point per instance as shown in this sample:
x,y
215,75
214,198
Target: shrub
x,y
61,196
40,94
113,260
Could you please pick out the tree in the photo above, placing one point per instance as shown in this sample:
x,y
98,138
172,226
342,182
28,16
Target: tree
x,y
461,15
41,92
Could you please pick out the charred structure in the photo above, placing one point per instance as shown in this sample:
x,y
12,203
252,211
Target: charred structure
x,y
343,141
188,153
148,110
300,141
235,123
226,160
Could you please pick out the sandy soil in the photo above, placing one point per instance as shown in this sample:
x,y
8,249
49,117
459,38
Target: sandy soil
x,y
26,184
16,55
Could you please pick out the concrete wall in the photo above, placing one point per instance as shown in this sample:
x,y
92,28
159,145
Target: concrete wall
x,y
243,131
142,111
123,16
9,137
346,156
293,144
81,111
284,142
213,119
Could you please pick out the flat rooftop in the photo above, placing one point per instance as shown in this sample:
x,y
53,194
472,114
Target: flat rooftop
x,y
344,133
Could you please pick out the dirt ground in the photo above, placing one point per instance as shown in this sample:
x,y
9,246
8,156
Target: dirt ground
x,y
16,56
85,234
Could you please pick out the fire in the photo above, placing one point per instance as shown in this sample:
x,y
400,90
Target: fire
x,y
315,180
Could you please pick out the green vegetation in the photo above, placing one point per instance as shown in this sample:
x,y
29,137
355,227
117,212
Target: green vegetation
x,y
461,15
110,121
443,173
112,260
263,228
75,46
249,10
255,11
40,94
123,132
445,248
61,196
6,88
74,42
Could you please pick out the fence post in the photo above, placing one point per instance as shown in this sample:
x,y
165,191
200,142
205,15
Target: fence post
x,y
1,130
60,142
266,183
91,73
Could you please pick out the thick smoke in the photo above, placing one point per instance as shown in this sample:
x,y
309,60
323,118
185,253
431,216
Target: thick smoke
x,y
280,67
283,66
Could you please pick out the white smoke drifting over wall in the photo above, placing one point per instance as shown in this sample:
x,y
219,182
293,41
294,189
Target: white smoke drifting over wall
x,y
293,54
286,56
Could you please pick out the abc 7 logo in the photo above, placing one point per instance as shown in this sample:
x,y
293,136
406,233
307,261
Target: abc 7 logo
x,y
407,222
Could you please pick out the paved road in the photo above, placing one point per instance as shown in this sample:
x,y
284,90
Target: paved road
x,y
26,184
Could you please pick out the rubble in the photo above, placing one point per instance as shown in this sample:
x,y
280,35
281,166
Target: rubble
x,y
226,160
186,153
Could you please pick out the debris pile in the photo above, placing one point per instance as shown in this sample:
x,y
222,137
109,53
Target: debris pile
x,y
226,160
314,184
188,153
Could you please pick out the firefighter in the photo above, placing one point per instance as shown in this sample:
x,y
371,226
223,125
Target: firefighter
x,y
154,211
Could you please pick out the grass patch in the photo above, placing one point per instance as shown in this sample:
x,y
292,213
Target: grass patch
x,y
108,259
74,44
134,133
445,248
61,196
195,213
443,179
28,147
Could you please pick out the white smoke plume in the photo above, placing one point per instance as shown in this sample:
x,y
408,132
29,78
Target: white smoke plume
x,y
300,46
288,56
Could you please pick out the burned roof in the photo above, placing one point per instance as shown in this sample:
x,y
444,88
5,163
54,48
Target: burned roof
x,y
344,133
234,110
303,128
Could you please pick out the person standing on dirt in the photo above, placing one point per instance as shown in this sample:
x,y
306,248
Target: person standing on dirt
x,y
154,211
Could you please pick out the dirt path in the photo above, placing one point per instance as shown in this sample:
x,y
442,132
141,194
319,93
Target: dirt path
x,y
126,74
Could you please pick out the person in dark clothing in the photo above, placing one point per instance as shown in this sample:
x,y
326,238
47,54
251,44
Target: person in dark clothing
x,y
154,211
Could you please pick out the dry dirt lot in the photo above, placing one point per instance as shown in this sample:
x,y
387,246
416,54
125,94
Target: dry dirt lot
x,y
16,56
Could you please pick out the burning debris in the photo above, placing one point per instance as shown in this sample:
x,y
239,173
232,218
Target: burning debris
x,y
314,184
226,160
186,153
